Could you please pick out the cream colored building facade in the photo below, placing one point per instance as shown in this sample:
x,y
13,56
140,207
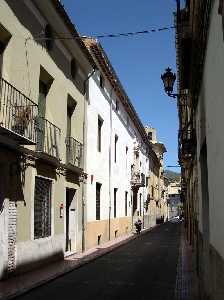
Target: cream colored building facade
x,y
42,93
157,188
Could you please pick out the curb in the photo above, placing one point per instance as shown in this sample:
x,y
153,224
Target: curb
x,y
100,251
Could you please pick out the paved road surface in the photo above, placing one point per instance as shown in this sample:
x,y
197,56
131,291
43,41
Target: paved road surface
x,y
145,268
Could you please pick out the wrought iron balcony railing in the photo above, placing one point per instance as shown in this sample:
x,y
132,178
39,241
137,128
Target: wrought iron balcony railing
x,y
17,114
74,152
137,179
187,143
48,138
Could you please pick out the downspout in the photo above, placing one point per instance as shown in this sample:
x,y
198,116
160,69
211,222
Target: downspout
x,y
110,145
84,156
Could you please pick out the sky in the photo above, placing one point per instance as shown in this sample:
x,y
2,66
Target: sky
x,y
138,61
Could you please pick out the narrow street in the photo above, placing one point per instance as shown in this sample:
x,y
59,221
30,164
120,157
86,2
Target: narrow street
x,y
144,268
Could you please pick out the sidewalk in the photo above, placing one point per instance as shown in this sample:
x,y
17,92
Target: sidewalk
x,y
186,281
18,285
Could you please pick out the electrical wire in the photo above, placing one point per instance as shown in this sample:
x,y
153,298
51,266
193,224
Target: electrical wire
x,y
127,34
62,36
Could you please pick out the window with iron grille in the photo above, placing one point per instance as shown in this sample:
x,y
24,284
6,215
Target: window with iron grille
x,y
126,204
115,202
42,208
99,134
98,189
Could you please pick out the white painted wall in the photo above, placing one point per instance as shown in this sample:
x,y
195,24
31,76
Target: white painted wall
x,y
102,103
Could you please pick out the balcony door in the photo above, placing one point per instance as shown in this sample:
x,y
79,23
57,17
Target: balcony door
x,y
41,115
135,202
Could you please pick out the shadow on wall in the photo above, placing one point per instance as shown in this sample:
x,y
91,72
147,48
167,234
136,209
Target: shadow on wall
x,y
72,177
46,170
30,265
12,178
28,20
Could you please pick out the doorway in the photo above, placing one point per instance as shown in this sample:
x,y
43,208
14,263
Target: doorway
x,y
70,243
135,201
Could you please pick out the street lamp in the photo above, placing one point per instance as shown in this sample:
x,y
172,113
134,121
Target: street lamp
x,y
168,79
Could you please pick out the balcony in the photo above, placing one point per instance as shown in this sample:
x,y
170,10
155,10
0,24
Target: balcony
x,y
137,179
17,115
187,144
48,138
74,152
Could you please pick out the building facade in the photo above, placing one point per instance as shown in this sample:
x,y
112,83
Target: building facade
x,y
42,93
174,201
117,156
76,164
158,188
200,59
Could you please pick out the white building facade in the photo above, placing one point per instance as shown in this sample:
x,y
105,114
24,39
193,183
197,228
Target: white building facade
x,y
116,151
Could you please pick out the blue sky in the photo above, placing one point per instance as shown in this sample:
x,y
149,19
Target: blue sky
x,y
138,61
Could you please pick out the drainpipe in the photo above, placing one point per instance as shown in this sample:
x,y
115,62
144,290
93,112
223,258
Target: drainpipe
x,y
110,145
84,156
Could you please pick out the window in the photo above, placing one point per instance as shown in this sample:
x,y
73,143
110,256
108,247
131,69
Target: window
x,y
42,208
101,81
98,189
100,124
126,204
140,204
115,202
147,181
117,106
115,148
150,136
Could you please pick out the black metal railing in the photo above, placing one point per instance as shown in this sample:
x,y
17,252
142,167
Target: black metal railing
x,y
17,112
74,152
137,179
187,143
48,137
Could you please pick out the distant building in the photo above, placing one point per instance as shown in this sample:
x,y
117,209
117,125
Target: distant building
x,y
174,201
157,184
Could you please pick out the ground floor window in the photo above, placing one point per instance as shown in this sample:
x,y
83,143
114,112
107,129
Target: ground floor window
x,y
115,202
98,191
126,204
42,207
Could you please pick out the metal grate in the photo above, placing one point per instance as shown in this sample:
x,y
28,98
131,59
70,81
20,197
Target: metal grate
x,y
48,137
17,112
98,188
42,208
74,152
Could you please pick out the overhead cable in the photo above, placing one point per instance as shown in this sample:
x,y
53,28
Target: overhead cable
x,y
64,36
